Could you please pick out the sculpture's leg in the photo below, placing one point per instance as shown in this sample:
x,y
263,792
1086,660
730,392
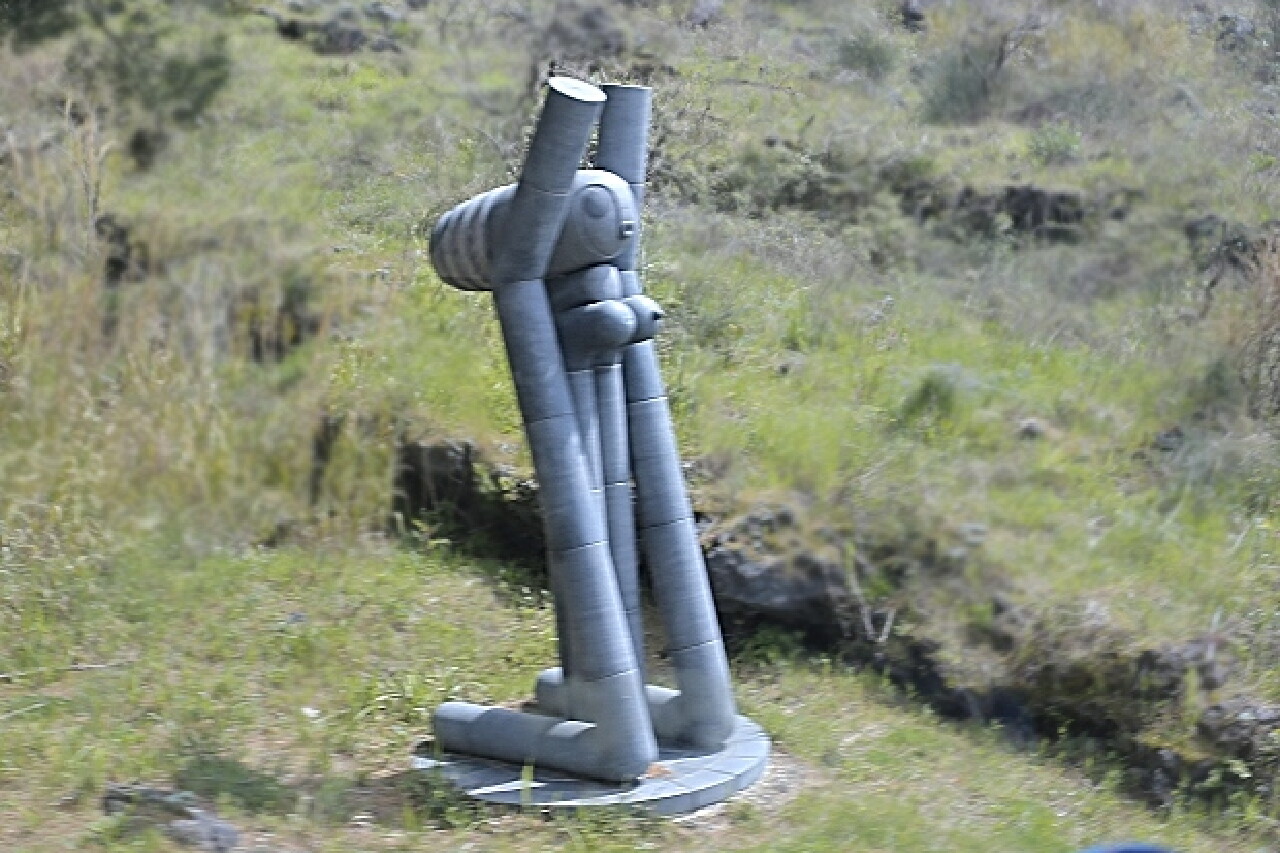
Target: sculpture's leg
x,y
620,744
704,712
611,406
620,511
582,389
620,148
594,325
582,385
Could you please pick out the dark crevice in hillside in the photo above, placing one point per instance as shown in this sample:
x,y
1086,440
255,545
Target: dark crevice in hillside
x,y
445,490
1065,676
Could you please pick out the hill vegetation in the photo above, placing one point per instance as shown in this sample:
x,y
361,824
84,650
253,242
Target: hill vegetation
x,y
972,340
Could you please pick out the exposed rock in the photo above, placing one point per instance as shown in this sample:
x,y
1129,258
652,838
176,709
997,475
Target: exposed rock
x,y
323,441
1242,729
1054,215
1083,675
337,37
704,13
1221,245
1207,227
761,574
1020,209
127,259
912,15
383,13
205,832
431,477
1031,428
1169,440
1010,624
1236,33
145,145
340,35
581,32
275,329
175,812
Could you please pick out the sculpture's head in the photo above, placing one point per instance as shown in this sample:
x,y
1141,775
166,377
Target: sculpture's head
x,y
601,224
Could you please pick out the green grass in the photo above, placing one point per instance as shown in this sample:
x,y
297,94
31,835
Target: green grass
x,y
855,361
289,688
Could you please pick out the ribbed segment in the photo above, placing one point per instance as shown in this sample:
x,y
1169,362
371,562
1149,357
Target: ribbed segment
x,y
460,241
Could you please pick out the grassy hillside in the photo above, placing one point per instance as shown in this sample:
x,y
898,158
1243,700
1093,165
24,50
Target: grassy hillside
x,y
989,303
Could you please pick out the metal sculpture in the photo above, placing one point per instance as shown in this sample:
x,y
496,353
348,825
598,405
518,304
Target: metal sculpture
x,y
559,251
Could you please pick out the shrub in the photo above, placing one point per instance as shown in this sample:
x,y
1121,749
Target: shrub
x,y
27,22
131,52
867,51
965,78
1054,144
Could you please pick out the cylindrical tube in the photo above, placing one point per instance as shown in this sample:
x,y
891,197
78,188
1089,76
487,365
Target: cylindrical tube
x,y
704,713
536,214
622,146
620,517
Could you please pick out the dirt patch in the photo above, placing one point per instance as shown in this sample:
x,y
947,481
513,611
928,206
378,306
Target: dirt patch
x,y
784,780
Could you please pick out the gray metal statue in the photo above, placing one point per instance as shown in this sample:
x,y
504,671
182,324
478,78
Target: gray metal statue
x,y
559,252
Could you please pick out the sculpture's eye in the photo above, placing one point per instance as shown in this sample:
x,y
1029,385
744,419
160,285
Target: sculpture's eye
x,y
603,221
596,202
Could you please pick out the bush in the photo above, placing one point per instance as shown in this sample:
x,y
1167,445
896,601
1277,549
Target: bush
x,y
130,53
1054,144
961,86
965,78
867,51
27,22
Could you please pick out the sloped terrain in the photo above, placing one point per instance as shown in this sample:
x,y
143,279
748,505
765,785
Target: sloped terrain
x,y
970,340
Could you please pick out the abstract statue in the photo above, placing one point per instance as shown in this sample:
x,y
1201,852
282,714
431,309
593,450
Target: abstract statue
x,y
559,252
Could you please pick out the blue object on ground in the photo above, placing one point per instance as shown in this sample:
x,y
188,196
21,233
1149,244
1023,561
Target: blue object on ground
x,y
1128,848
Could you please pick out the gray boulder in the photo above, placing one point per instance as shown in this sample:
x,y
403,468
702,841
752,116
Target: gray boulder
x,y
762,573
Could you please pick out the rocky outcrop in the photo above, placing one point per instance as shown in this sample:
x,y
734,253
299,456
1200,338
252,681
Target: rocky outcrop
x,y
175,812
1052,215
1244,730
344,31
1236,33
841,186
757,582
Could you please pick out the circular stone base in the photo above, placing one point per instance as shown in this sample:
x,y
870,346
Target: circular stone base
x,y
680,781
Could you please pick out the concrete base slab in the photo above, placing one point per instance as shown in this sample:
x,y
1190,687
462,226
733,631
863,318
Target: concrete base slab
x,y
680,781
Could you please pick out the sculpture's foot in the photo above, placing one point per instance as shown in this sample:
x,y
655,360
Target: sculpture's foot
x,y
680,781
